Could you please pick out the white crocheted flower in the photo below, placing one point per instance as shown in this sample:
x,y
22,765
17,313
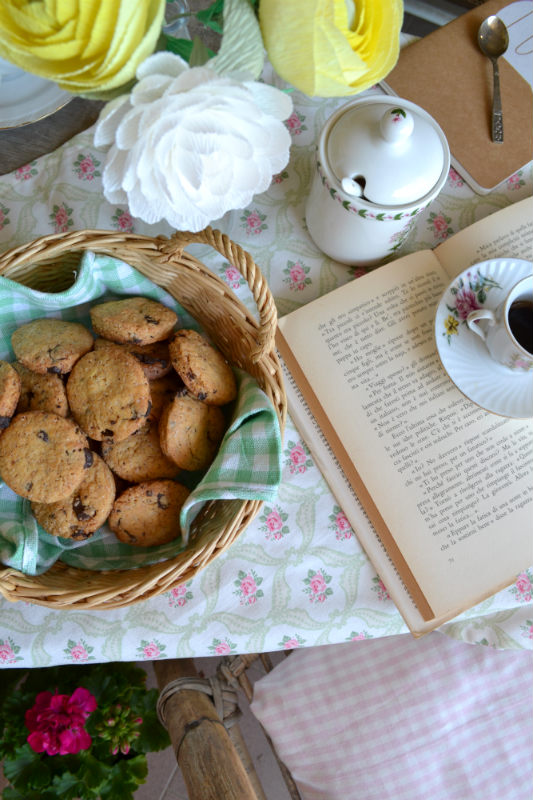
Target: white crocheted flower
x,y
187,144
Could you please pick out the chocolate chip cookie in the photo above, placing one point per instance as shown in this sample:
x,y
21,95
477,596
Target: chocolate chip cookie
x,y
190,432
41,392
9,393
202,368
139,458
108,394
148,513
43,456
85,510
162,391
153,358
136,320
51,345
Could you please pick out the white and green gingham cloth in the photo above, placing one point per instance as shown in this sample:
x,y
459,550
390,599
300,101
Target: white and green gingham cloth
x,y
247,466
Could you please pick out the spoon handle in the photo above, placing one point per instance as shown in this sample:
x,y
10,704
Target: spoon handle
x,y
497,116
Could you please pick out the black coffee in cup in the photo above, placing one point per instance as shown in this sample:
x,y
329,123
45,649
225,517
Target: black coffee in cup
x,y
521,323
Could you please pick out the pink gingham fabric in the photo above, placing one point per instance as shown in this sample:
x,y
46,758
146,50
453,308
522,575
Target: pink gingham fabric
x,y
399,718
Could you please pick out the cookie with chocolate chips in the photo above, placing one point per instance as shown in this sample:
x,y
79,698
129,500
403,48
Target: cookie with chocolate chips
x,y
148,513
43,456
190,432
137,320
41,392
51,345
108,394
202,368
139,458
153,358
85,510
9,393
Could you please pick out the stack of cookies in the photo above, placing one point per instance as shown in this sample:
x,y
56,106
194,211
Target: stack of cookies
x,y
97,425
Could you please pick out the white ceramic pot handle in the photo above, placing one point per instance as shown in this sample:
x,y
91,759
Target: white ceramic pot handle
x,y
480,313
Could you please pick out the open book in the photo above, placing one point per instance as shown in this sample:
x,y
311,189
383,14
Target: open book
x,y
394,437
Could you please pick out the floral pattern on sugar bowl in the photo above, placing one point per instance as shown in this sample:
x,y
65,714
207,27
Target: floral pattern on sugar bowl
x,y
468,293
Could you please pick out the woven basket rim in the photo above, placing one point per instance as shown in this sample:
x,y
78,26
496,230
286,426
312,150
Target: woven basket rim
x,y
63,586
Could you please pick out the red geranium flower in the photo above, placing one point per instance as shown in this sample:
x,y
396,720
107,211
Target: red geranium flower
x,y
56,722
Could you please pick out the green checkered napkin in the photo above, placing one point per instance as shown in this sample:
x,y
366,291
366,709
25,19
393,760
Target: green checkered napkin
x,y
247,467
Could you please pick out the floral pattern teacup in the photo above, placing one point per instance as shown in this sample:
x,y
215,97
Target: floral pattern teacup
x,y
509,330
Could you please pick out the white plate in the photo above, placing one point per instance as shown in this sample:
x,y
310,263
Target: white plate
x,y
464,355
26,98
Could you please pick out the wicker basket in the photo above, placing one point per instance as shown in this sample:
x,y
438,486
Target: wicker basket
x,y
49,264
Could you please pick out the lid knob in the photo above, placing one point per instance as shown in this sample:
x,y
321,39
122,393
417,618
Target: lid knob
x,y
396,124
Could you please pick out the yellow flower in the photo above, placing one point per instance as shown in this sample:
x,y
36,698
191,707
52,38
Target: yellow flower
x,y
86,46
451,325
331,48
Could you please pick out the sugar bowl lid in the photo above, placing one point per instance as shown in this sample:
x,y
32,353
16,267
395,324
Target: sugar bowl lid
x,y
384,150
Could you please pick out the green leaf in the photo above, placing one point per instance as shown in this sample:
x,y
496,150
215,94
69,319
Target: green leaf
x,y
124,779
27,769
68,786
153,736
241,49
93,772
200,54
212,17
181,47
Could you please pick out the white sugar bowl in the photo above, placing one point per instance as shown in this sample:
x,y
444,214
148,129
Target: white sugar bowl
x,y
380,161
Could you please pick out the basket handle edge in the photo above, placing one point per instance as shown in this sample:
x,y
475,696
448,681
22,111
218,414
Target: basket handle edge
x,y
243,261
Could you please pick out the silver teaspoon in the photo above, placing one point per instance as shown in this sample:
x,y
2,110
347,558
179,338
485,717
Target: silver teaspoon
x,y
493,40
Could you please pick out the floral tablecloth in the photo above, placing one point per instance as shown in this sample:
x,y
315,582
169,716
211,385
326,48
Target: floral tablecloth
x,y
297,576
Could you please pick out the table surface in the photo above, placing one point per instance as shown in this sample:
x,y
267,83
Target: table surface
x,y
297,576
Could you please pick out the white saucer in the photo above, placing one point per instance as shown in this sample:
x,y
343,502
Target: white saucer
x,y
26,98
464,355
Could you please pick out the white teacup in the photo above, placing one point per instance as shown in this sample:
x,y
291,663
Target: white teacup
x,y
508,330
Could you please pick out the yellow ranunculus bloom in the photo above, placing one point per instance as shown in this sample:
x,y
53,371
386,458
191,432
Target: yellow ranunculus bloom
x,y
85,46
331,48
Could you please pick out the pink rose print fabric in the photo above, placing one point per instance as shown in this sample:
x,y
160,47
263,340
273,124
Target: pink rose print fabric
x,y
150,650
123,221
222,647
380,589
295,123
61,218
253,222
357,636
291,642
4,216
339,523
297,276
232,277
316,586
440,225
523,588
9,652
298,458
26,172
274,520
85,167
78,652
248,590
179,595
516,181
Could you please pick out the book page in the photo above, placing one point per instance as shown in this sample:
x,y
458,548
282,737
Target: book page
x,y
331,468
452,482
506,233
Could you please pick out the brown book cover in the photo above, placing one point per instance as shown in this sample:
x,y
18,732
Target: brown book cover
x,y
446,74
